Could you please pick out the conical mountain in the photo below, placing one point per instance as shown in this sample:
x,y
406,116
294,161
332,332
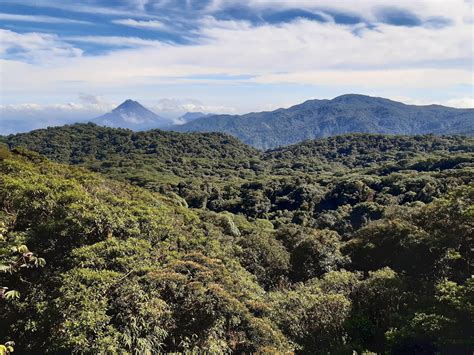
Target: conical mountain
x,y
132,115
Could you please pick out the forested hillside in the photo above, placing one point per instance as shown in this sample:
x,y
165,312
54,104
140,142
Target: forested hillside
x,y
142,157
126,269
357,242
315,183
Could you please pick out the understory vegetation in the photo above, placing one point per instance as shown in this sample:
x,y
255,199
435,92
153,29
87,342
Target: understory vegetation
x,y
113,241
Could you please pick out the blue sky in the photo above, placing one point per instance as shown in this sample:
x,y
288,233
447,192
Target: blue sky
x,y
64,60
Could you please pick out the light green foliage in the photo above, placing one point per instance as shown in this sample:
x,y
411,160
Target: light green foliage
x,y
312,315
15,258
7,348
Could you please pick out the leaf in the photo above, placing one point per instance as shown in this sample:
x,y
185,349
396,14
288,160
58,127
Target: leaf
x,y
22,249
11,295
41,262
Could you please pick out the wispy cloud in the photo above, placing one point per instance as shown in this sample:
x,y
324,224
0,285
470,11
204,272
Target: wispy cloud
x,y
150,25
395,78
33,107
369,10
116,41
41,19
35,47
178,106
88,8
88,104
139,4
288,53
91,99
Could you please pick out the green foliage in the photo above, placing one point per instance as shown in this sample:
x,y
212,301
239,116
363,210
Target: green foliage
x,y
15,259
358,242
378,301
127,269
313,314
265,257
315,254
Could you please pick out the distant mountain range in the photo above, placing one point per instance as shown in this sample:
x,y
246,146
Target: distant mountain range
x,y
311,119
344,114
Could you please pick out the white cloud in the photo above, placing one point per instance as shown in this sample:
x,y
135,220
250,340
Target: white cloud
x,y
462,102
367,9
177,106
151,25
459,102
236,48
139,4
414,78
95,103
301,52
28,108
309,45
40,19
87,107
115,41
91,99
27,116
35,47
13,111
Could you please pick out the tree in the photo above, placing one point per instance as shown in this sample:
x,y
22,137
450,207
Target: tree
x,y
313,314
317,253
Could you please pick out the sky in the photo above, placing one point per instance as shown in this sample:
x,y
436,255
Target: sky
x,y
68,60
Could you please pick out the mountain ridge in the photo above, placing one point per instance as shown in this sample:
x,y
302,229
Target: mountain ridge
x,y
349,113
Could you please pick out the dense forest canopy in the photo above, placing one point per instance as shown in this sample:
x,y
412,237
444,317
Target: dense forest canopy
x,y
166,242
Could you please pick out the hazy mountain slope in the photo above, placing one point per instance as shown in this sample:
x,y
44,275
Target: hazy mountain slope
x,y
344,114
132,115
